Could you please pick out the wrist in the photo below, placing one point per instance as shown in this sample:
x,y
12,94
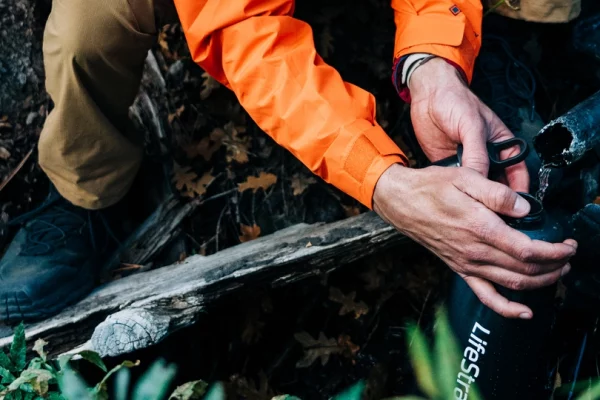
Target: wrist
x,y
433,75
390,179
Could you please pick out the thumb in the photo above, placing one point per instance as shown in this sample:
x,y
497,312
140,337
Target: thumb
x,y
495,196
475,155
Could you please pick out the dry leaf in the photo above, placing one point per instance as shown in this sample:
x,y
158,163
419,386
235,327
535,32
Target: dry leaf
x,y
348,303
322,348
325,43
309,244
249,232
350,349
207,146
177,113
186,183
4,154
237,146
263,181
248,389
300,183
208,86
162,41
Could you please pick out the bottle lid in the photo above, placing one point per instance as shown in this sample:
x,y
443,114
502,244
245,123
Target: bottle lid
x,y
531,220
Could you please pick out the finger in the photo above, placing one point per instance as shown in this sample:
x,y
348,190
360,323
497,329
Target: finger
x,y
505,261
517,175
524,249
475,155
515,281
495,196
488,295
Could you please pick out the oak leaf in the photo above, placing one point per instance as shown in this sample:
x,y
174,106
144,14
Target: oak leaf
x,y
300,183
263,181
187,182
207,146
177,113
249,232
238,146
322,347
348,303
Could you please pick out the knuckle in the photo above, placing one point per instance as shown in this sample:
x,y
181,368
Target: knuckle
x,y
501,197
532,269
525,254
516,284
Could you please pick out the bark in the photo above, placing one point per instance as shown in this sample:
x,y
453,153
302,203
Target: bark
x,y
138,311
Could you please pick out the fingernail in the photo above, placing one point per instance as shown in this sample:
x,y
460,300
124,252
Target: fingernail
x,y
525,315
521,205
565,270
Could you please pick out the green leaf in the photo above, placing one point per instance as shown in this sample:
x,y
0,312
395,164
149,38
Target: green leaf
x,y
421,361
354,392
55,396
406,398
38,347
18,348
7,376
592,392
101,386
447,357
63,360
33,380
190,391
73,387
122,384
216,392
153,385
29,396
94,358
5,361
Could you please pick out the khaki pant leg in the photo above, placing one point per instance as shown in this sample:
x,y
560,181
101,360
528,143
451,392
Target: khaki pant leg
x,y
551,11
94,52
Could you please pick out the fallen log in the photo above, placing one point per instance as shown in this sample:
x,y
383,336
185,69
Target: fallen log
x,y
140,310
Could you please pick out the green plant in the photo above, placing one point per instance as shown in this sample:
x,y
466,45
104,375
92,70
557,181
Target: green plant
x,y
42,378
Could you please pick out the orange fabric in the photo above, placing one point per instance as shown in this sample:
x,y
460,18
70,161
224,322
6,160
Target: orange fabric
x,y
447,28
268,59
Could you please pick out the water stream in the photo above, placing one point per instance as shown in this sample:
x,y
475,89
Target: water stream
x,y
544,176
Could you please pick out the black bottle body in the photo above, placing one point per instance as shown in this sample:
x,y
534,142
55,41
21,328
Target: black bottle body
x,y
506,358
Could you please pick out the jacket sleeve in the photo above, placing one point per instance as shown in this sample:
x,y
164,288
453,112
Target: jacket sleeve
x,y
447,28
268,59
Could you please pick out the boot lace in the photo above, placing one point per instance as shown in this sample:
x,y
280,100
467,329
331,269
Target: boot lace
x,y
54,221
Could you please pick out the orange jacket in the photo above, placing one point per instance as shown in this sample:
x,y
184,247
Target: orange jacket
x,y
268,58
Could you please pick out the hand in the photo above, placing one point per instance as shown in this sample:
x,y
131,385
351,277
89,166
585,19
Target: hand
x,y
452,212
445,113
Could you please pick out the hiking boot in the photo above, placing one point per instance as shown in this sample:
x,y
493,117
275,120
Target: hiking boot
x,y
506,85
54,259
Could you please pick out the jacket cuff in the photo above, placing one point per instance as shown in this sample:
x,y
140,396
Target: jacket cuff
x,y
357,158
446,37
403,90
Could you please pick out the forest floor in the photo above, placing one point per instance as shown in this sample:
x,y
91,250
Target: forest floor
x,y
316,337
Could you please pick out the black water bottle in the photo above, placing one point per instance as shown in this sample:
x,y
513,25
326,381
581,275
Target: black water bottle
x,y
505,358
